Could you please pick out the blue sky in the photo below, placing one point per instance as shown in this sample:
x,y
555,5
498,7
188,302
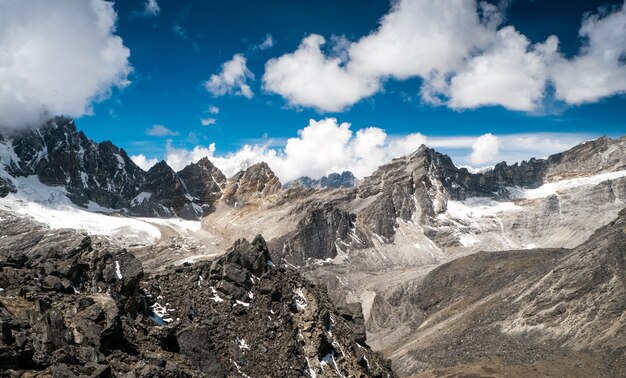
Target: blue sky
x,y
176,46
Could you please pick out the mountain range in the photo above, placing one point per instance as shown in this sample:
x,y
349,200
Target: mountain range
x,y
517,271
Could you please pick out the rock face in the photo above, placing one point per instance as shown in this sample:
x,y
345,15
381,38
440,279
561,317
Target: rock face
x,y
558,311
102,174
251,185
317,234
204,181
73,306
61,156
334,180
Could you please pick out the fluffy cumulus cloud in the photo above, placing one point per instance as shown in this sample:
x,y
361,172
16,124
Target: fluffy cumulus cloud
x,y
464,55
161,131
420,37
327,146
599,70
485,149
57,57
512,73
143,162
343,149
307,77
232,79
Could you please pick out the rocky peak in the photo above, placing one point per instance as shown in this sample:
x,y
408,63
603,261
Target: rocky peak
x,y
168,190
251,185
319,235
333,180
594,156
415,184
60,156
204,181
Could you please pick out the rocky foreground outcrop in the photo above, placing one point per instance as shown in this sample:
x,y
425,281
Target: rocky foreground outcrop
x,y
71,305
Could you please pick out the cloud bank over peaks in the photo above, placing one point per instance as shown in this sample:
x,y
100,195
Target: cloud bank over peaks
x,y
464,57
320,148
327,146
57,57
232,79
485,149
143,162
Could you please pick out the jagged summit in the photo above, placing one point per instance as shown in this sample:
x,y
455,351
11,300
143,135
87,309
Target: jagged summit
x,y
251,185
334,180
204,181
103,175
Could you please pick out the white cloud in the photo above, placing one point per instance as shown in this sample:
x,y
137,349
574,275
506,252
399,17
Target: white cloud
x,y
512,148
208,121
464,60
161,131
485,149
512,73
232,79
599,69
177,159
143,162
214,110
151,8
267,43
327,146
420,36
417,38
308,78
57,57
361,152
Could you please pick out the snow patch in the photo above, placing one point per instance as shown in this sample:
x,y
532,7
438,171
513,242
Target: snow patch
x,y
50,205
118,272
312,372
215,298
120,161
478,207
551,188
181,226
141,198
299,300
329,359
242,344
160,314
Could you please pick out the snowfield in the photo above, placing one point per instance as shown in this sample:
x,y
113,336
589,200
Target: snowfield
x,y
50,205
551,188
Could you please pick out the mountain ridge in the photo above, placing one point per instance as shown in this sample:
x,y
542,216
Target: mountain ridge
x,y
374,243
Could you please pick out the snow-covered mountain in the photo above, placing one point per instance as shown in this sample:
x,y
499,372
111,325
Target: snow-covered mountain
x,y
101,176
